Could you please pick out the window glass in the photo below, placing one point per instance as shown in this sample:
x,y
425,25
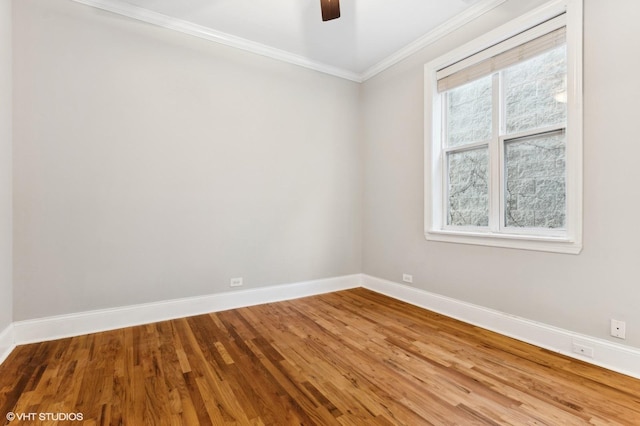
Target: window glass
x,y
468,187
536,91
535,187
469,113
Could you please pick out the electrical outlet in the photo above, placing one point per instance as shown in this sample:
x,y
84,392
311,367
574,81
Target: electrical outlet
x,y
235,282
407,278
582,349
618,329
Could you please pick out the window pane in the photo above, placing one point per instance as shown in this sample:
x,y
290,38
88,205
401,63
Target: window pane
x,y
469,113
468,188
536,91
535,181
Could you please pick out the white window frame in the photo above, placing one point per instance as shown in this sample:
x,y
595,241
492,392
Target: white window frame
x,y
566,241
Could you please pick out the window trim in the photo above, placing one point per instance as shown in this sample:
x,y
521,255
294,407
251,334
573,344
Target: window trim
x,y
435,229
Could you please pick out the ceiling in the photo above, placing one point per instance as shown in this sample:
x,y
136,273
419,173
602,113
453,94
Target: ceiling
x,y
369,36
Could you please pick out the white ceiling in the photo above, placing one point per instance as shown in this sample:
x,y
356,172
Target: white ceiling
x,y
369,35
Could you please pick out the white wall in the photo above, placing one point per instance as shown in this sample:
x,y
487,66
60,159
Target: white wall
x,y
575,292
151,165
6,297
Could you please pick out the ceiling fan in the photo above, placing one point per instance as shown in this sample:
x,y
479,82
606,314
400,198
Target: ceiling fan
x,y
330,9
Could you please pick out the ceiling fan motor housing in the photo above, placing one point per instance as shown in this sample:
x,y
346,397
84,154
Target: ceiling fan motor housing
x,y
330,9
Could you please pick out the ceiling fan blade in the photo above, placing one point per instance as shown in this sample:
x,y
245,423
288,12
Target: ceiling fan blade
x,y
330,9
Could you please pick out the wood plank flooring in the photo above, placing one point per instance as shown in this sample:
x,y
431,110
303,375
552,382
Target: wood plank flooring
x,y
347,358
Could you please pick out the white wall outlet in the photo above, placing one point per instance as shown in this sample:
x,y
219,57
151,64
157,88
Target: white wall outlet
x,y
618,329
235,282
407,278
582,349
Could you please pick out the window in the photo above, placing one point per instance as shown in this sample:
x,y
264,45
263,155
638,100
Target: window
x,y
503,137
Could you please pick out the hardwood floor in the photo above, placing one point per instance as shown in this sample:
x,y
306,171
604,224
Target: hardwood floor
x,y
353,357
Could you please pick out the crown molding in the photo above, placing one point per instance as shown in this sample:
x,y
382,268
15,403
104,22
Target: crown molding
x,y
185,27
432,36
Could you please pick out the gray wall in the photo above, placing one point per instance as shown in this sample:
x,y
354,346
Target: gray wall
x,y
5,166
575,292
152,165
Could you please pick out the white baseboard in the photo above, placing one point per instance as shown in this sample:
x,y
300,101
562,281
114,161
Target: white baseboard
x,y
609,355
57,327
6,342
620,358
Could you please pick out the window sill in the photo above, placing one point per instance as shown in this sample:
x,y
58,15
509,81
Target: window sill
x,y
513,241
